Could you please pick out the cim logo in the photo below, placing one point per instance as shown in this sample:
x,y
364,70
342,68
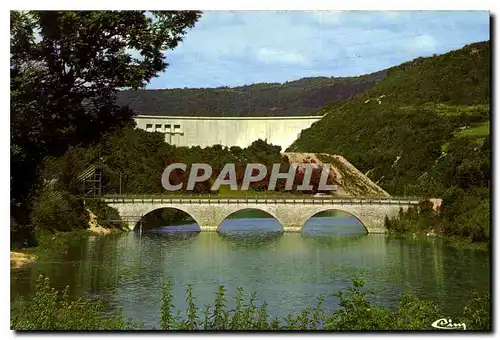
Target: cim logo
x,y
448,324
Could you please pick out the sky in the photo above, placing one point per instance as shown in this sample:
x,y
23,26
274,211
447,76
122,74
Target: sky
x,y
234,48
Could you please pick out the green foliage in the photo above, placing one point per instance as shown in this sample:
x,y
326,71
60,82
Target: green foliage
x,y
133,160
296,98
58,211
356,312
397,129
167,321
477,130
48,310
163,217
51,244
462,214
63,171
477,312
459,77
423,130
66,69
52,310
475,223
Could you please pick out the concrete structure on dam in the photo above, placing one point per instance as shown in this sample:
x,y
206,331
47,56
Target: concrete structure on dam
x,y
292,214
226,131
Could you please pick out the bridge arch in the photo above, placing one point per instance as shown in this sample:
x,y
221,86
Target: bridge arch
x,y
241,209
313,214
149,217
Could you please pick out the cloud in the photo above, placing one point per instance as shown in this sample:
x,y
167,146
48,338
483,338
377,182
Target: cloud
x,y
275,56
328,17
422,43
244,47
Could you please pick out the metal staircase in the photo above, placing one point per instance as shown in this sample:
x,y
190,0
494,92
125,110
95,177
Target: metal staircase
x,y
90,181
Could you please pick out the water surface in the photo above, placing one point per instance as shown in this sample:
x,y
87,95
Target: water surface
x,y
288,270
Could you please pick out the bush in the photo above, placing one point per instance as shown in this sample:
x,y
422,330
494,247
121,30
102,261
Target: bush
x,y
51,310
475,223
356,312
58,211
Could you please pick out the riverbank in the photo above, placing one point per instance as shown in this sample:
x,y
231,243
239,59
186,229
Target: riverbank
x,y
459,229
53,243
466,243
19,259
50,242
454,241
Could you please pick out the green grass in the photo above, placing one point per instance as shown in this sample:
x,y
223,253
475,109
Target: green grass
x,y
477,130
445,146
457,110
50,244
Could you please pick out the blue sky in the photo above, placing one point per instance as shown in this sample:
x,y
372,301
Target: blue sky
x,y
244,47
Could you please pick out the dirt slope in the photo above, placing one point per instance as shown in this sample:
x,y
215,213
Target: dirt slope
x,y
350,181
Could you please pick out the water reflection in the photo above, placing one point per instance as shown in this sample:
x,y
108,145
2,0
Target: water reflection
x,y
288,270
186,227
250,225
334,224
251,239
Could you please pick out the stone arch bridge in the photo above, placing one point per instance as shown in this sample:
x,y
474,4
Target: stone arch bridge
x,y
292,214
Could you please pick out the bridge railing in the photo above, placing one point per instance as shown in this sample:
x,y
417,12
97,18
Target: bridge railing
x,y
265,201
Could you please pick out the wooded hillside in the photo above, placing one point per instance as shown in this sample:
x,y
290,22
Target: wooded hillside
x,y
296,98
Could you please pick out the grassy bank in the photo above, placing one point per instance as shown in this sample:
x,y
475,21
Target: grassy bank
x,y
455,241
49,309
466,243
52,243
464,221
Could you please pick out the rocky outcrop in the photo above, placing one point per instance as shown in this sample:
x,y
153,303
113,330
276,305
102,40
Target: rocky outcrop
x,y
95,227
349,180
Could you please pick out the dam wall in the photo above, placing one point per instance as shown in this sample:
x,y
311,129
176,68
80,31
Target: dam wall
x,y
226,131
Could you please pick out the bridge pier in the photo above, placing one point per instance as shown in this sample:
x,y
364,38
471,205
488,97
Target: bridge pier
x,y
131,225
292,228
211,228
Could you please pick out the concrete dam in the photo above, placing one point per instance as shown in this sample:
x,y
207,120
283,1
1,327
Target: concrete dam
x,y
226,131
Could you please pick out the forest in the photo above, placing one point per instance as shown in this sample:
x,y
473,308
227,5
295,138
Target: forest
x,y
301,97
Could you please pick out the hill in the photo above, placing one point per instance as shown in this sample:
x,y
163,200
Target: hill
x,y
296,98
402,129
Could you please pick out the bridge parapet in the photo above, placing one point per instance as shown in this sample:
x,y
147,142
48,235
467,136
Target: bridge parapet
x,y
294,201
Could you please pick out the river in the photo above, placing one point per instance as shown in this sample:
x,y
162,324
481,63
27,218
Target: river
x,y
287,270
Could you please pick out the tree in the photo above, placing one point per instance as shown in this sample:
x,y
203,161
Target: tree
x,y
66,70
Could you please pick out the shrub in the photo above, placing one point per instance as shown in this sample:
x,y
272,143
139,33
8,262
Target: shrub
x,y
58,211
51,310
